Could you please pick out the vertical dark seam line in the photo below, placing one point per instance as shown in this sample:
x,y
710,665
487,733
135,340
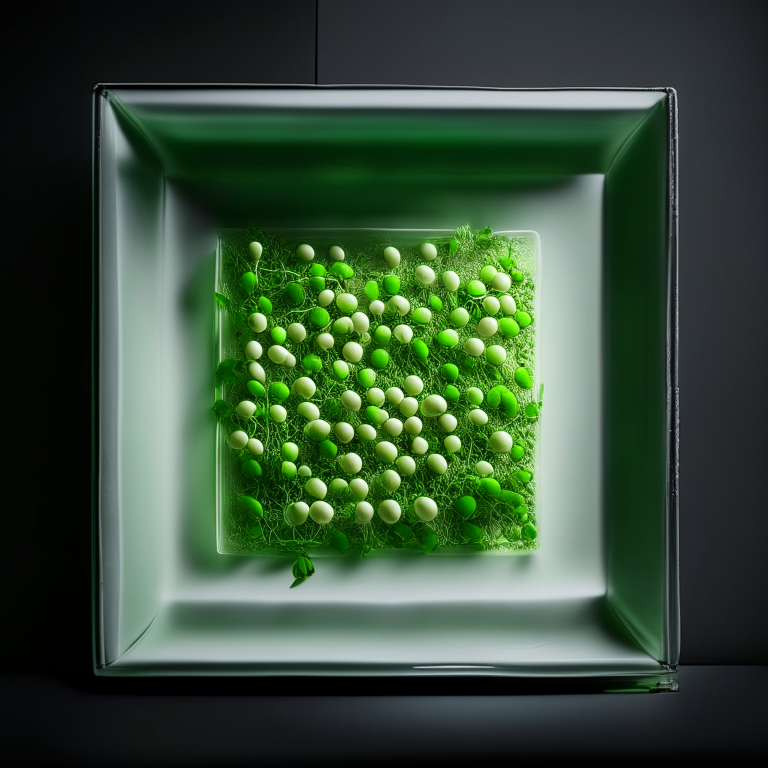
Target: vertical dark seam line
x,y
317,24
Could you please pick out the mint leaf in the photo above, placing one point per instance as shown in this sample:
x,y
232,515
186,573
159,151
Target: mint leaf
x,y
222,301
222,410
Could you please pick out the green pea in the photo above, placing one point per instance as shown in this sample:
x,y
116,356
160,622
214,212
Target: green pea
x,y
391,284
453,247
523,319
342,326
317,284
265,305
340,370
509,404
251,468
448,338
248,282
317,270
312,363
256,388
422,316
436,303
338,541
489,487
511,498
375,415
522,513
487,273
517,452
341,269
278,335
295,293
531,410
465,506
319,317
449,372
421,350
472,532
529,531
476,288
459,317
451,394
251,506
382,334
279,391
372,290
505,261
380,358
427,538
494,396
475,396
517,276
256,531
288,469
508,327
289,451
366,377
328,449
524,475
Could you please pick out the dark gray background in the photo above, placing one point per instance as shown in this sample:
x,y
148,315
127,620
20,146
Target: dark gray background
x,y
713,53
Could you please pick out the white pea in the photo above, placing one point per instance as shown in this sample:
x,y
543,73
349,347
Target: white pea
x,y
478,417
308,410
459,317
336,253
238,440
297,513
389,511
392,427
394,395
255,447
376,308
406,465
452,444
451,281
433,405
483,468
428,251
245,409
447,422
403,333
491,305
360,322
413,425
324,298
277,413
318,429
437,463
325,341
343,431
253,350
277,353
257,322
409,406
305,252
296,332
419,446
321,512
351,400
391,257
424,274
413,385
399,304
474,347
386,451
352,351
359,487
487,327
255,249
425,508
290,361
363,512
508,304
390,480
305,471
346,302
257,372
375,396
351,463
501,442
366,432
316,487
304,387
501,282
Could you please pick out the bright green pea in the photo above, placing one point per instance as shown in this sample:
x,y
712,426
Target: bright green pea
x,y
517,452
328,449
524,475
340,369
421,350
375,415
422,316
391,285
312,363
523,378
476,288
256,388
295,293
522,513
529,531
382,334
319,317
517,276
289,451
531,410
265,305
436,303
505,261
475,396
508,327
495,354
251,506
366,377
449,372
489,487
380,358
288,469
317,270
451,394
278,335
494,396
511,498
509,404
448,338
487,273
459,317
338,541
317,284
342,326
523,319
472,532
372,290
341,269
465,506
248,282
251,468
278,391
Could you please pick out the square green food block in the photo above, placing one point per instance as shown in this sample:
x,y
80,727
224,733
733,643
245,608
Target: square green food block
x,y
376,391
